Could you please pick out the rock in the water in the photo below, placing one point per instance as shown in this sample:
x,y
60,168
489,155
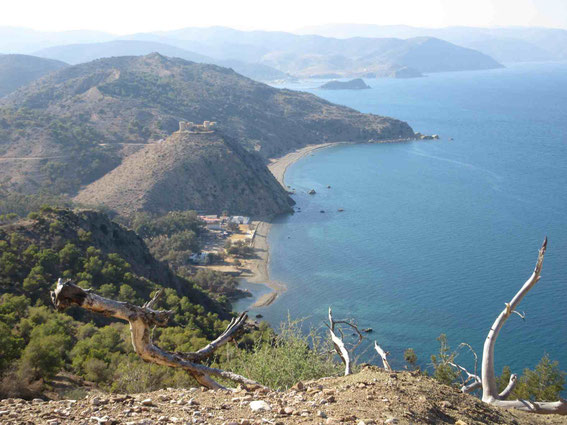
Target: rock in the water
x,y
312,192
356,84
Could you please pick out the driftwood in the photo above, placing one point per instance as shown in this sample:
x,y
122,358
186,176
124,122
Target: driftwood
x,y
338,343
142,320
490,393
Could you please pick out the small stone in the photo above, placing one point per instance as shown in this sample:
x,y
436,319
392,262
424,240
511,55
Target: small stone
x,y
147,402
321,414
259,405
192,402
244,422
391,421
332,421
367,422
298,387
105,420
446,404
95,401
288,410
460,422
230,423
37,400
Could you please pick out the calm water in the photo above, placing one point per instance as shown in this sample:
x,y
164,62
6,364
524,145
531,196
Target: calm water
x,y
437,235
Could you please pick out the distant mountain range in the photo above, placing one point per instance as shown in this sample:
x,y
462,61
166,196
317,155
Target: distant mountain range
x,y
112,119
262,55
316,56
19,70
514,44
81,53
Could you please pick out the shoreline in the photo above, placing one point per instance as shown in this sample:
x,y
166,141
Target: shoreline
x,y
258,267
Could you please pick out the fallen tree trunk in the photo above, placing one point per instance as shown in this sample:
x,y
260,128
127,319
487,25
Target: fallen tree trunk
x,y
490,394
141,320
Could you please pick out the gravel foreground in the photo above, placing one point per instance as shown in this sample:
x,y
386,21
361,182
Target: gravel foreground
x,y
372,396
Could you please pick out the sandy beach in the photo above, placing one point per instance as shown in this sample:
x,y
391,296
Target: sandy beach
x,y
258,267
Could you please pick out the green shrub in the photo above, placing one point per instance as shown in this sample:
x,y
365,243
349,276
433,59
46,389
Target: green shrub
x,y
279,361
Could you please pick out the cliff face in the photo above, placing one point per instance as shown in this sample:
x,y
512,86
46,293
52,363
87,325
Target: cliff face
x,y
72,127
209,173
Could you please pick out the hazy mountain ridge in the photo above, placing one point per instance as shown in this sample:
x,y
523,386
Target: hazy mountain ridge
x,y
80,53
19,70
315,56
299,55
508,44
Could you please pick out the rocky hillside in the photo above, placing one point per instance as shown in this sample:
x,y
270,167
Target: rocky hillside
x,y
19,70
71,128
85,246
369,397
203,172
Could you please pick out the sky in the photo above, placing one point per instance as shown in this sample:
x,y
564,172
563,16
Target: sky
x,y
131,16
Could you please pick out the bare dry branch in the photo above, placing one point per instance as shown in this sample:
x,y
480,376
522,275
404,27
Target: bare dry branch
x,y
489,389
384,355
339,345
141,319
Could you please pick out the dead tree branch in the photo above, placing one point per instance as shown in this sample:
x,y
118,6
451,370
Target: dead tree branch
x,y
338,343
489,388
384,355
141,320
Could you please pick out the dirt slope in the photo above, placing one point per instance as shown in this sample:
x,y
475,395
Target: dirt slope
x,y
209,173
369,397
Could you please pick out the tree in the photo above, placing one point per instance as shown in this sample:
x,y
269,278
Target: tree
x,y
141,320
444,372
490,393
545,382
411,358
10,346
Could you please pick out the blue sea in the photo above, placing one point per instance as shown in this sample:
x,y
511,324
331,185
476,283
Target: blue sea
x,y
436,235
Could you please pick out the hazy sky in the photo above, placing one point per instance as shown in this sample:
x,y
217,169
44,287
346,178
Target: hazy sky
x,y
128,16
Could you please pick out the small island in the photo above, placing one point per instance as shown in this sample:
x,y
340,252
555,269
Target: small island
x,y
356,84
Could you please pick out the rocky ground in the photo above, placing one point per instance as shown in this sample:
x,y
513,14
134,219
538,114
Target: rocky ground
x,y
372,396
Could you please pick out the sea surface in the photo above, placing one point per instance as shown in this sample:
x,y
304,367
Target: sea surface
x,y
436,235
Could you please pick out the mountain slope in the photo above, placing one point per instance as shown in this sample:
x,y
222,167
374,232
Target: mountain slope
x,y
62,243
74,126
204,172
19,70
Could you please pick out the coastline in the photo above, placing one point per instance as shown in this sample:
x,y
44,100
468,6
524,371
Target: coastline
x,y
258,267
258,272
